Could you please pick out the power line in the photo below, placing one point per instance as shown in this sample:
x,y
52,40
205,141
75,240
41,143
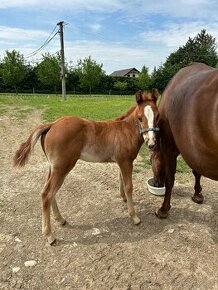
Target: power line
x,y
46,42
42,58
42,47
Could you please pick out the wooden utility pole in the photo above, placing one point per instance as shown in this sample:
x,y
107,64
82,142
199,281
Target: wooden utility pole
x,y
61,31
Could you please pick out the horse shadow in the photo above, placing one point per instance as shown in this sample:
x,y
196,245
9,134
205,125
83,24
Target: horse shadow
x,y
122,229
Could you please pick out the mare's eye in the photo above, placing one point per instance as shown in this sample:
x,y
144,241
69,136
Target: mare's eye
x,y
140,119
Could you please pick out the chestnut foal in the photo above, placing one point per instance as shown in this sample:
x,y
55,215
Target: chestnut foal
x,y
70,138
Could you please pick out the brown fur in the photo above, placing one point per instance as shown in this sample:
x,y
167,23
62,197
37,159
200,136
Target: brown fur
x,y
188,120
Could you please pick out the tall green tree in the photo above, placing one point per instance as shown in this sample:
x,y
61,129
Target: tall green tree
x,y
13,68
144,79
48,70
30,80
90,73
201,48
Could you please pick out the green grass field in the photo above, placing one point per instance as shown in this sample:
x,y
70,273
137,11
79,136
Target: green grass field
x,y
91,107
53,107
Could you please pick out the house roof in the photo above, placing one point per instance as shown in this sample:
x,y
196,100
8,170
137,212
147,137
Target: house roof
x,y
123,72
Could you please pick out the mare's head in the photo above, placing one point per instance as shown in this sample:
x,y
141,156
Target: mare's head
x,y
147,116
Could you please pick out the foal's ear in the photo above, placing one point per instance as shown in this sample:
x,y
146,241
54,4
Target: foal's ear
x,y
138,97
154,95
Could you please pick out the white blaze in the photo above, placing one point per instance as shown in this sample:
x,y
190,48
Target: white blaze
x,y
149,114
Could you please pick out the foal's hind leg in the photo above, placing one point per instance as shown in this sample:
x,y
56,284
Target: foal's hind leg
x,y
56,212
55,180
197,197
126,170
57,215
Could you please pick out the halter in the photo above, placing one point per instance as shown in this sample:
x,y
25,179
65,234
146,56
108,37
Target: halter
x,y
144,130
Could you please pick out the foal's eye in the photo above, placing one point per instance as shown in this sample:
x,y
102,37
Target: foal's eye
x,y
140,119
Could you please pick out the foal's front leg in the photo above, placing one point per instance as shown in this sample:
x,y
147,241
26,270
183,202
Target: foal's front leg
x,y
126,171
122,192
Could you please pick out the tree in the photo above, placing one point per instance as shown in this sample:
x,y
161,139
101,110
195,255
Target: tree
x,y
89,73
48,70
201,48
72,78
121,86
30,80
144,79
13,68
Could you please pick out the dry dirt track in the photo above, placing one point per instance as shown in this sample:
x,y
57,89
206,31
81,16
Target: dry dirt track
x,y
100,248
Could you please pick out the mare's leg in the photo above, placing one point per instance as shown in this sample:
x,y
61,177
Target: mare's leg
x,y
122,192
170,170
126,171
157,166
197,197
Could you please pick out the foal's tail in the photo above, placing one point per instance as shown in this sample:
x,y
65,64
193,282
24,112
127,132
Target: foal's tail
x,y
22,154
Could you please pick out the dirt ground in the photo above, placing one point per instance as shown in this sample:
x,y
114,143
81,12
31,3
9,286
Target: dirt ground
x,y
100,248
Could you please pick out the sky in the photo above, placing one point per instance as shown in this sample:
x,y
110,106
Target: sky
x,y
119,34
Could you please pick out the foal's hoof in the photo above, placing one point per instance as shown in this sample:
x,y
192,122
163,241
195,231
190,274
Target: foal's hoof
x,y
63,223
52,241
198,198
136,220
161,214
123,198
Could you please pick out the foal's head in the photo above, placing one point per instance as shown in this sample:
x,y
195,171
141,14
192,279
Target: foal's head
x,y
147,115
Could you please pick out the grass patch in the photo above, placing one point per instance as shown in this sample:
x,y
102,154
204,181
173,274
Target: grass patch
x,y
182,167
91,107
3,111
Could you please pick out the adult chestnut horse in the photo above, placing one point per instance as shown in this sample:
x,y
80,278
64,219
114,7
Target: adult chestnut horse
x,y
188,121
71,138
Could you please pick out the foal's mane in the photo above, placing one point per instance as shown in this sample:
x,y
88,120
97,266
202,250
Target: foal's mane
x,y
141,96
124,115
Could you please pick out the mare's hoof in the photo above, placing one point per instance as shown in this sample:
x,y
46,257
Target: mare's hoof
x,y
136,220
161,214
198,198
